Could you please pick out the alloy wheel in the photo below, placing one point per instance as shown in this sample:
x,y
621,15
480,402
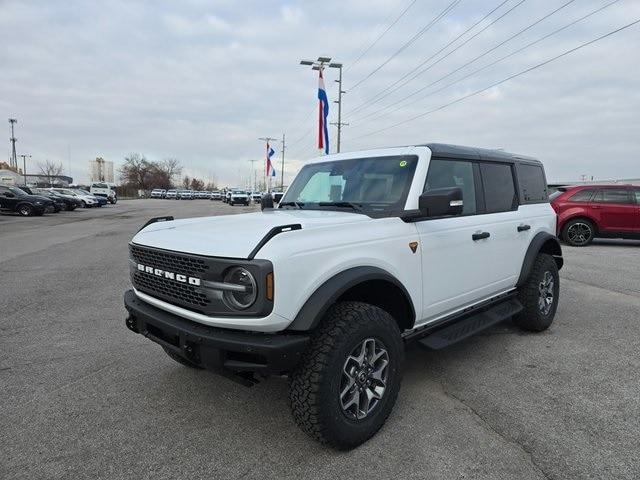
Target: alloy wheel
x,y
579,233
545,288
364,378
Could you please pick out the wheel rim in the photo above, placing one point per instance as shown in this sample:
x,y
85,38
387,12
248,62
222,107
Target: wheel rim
x,y
364,378
25,211
579,233
545,288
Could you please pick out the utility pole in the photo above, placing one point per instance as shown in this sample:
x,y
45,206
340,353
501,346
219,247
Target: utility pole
x,y
24,167
267,140
282,169
320,65
253,174
13,162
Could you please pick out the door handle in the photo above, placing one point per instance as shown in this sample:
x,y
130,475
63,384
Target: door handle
x,y
480,236
524,228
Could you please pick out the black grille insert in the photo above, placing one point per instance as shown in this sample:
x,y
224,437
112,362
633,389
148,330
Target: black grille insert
x,y
172,262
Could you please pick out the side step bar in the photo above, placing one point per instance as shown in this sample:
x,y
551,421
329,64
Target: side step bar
x,y
464,328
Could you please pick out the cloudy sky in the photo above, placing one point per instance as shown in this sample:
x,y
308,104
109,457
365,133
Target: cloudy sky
x,y
201,80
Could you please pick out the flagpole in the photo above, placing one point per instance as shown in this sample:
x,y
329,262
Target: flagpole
x,y
266,140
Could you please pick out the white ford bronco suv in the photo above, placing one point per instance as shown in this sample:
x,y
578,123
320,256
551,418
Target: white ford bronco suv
x,y
366,252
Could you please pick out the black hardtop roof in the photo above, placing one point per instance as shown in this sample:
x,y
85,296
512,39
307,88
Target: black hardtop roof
x,y
472,153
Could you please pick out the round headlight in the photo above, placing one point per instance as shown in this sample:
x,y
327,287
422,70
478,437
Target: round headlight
x,y
241,298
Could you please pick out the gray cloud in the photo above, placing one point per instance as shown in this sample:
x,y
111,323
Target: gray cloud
x,y
201,80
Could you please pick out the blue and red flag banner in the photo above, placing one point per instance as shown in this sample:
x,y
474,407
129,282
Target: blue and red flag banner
x,y
271,172
323,113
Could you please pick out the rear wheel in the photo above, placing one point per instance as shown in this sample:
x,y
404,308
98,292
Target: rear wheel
x,y
539,295
578,232
25,210
181,360
347,383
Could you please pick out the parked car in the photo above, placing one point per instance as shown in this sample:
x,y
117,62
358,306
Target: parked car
x,y
103,189
240,197
586,212
366,252
13,199
70,203
158,193
87,200
256,196
171,194
101,200
215,195
58,203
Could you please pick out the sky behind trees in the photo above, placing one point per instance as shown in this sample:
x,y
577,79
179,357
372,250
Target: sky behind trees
x,y
200,81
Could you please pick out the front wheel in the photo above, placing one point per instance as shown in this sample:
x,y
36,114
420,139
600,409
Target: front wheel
x,y
539,295
347,383
25,210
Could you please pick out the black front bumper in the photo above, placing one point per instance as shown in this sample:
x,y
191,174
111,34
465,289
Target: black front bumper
x,y
222,350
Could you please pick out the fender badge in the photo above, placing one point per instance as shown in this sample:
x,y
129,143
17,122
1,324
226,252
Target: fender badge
x,y
413,246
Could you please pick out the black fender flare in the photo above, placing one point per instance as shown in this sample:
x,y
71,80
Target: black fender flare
x,y
541,242
326,295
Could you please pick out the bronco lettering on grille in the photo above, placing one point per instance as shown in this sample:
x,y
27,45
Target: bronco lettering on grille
x,y
170,275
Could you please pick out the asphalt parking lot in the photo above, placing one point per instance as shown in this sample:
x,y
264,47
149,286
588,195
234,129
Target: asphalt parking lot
x,y
83,397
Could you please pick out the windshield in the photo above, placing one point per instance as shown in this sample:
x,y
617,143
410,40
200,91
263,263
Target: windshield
x,y
379,184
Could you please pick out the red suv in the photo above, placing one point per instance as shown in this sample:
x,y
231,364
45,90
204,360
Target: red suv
x,y
590,211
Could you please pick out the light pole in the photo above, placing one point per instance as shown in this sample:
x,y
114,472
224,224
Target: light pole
x,y
24,167
253,174
320,64
282,169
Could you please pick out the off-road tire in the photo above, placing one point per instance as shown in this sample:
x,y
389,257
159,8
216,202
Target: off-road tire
x,y
25,210
571,223
531,317
181,360
314,385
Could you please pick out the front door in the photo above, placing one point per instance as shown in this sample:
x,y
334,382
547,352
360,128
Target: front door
x,y
8,199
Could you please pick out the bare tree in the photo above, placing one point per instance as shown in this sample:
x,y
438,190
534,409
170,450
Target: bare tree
x,y
137,171
50,169
186,181
171,168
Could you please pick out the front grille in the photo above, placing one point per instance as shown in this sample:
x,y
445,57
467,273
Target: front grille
x,y
170,261
183,294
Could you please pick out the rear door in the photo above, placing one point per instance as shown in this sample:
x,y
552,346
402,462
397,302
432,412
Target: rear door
x,y
636,196
615,209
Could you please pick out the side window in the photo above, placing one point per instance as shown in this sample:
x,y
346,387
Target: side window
x,y
637,193
582,196
499,189
613,195
453,173
533,186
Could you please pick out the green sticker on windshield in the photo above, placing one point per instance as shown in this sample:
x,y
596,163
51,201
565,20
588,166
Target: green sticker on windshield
x,y
403,163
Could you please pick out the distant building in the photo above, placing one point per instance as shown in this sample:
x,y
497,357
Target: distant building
x,y
11,177
100,170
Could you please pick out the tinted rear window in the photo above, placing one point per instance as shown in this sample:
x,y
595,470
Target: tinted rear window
x,y
533,186
583,195
499,189
613,195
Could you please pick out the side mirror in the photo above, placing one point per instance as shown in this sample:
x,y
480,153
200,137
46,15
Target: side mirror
x,y
266,201
441,202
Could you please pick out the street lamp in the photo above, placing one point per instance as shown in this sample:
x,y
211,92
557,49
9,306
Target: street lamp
x,y
320,64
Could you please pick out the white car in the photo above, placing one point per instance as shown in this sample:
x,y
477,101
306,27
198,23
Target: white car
x,y
88,200
104,189
172,194
158,193
239,197
366,252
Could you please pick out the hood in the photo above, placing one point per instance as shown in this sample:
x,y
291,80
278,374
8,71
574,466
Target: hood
x,y
234,236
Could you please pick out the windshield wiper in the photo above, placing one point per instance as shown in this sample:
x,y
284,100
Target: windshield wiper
x,y
353,206
297,205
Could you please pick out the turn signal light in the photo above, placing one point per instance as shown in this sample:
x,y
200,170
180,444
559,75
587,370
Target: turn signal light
x,y
270,286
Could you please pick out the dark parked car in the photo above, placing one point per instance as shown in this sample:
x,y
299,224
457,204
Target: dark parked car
x,y
13,199
589,211
69,203
58,203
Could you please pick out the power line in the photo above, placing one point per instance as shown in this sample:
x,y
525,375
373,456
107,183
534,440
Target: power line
x,y
375,98
483,54
421,32
351,64
471,74
511,77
